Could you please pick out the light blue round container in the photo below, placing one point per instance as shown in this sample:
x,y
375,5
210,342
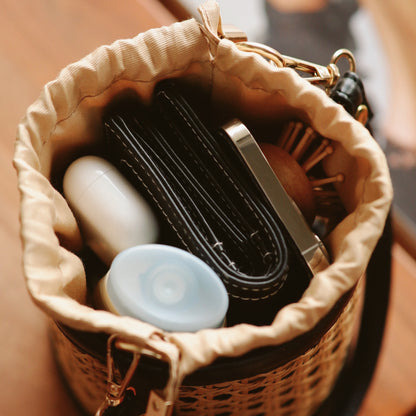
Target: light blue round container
x,y
164,286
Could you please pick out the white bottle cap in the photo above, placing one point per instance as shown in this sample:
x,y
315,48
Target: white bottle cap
x,y
167,287
111,213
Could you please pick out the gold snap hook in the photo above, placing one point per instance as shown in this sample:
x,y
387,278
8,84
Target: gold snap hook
x,y
344,53
326,76
318,74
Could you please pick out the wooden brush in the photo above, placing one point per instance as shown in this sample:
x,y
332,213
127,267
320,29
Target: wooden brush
x,y
296,158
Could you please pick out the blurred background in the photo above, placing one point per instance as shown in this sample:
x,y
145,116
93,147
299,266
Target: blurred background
x,y
40,37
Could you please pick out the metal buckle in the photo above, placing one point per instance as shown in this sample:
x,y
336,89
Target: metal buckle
x,y
117,388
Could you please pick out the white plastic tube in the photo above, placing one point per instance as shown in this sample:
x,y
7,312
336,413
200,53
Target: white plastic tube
x,y
111,213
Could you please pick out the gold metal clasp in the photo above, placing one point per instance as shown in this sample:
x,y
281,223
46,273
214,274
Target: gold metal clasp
x,y
321,75
118,385
317,74
326,76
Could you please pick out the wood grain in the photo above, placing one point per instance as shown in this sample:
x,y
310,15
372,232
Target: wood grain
x,y
37,39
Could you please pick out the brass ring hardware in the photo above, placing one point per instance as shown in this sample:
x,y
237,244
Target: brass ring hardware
x,y
344,53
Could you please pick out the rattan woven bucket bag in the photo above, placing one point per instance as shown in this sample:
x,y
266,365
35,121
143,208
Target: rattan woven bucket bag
x,y
286,368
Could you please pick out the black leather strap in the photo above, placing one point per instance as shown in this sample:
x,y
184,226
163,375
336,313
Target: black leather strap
x,y
349,92
204,193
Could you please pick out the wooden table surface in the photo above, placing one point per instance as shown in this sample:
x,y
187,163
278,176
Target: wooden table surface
x,y
38,38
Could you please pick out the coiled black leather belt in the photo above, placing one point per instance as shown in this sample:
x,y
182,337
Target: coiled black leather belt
x,y
206,196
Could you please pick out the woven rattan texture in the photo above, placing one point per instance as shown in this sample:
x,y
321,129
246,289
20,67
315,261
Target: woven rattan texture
x,y
86,376
295,388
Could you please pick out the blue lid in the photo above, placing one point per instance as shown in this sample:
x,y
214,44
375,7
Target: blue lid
x,y
167,287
